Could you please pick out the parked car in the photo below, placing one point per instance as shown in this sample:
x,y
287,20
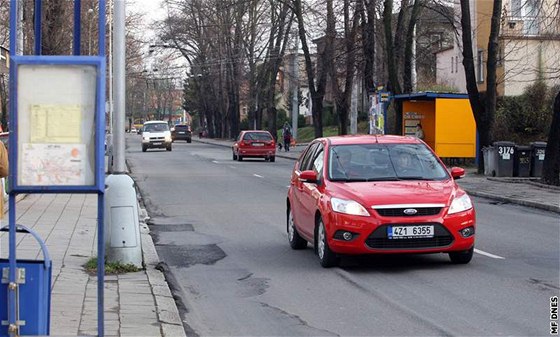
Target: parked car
x,y
377,195
156,134
181,132
254,144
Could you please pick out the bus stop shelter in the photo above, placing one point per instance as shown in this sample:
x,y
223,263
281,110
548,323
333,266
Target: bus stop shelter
x,y
447,120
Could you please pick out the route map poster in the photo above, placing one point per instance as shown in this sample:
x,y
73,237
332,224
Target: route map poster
x,y
53,164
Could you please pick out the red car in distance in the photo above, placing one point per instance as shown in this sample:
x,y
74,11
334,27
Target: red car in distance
x,y
254,144
354,195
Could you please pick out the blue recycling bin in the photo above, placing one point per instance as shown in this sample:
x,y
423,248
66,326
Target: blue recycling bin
x,y
34,292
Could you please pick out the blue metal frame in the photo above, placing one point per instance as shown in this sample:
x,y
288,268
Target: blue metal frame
x,y
99,186
99,63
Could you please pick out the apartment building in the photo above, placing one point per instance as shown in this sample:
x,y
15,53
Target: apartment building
x,y
529,46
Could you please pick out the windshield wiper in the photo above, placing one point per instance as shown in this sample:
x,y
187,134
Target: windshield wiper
x,y
414,178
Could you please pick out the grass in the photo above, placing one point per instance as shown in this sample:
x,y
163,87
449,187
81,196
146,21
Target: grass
x,y
111,268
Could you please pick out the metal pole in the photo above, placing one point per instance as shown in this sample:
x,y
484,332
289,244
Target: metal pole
x,y
295,103
119,87
110,66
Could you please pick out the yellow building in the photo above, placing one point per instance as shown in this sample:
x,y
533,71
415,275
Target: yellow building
x,y
447,120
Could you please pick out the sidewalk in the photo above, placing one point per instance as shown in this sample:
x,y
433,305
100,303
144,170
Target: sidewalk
x,y
136,304
521,191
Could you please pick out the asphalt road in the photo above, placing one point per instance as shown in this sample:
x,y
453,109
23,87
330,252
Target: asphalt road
x,y
219,225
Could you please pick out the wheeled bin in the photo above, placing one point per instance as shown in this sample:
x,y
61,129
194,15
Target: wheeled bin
x,y
504,153
34,291
537,158
489,155
522,161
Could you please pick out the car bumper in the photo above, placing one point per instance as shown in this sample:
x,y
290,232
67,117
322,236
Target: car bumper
x,y
158,144
257,152
369,234
181,137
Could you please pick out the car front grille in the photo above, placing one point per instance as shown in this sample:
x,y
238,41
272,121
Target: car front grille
x,y
379,240
420,211
157,139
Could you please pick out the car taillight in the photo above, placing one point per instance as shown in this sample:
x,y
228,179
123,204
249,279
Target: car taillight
x,y
246,142
270,143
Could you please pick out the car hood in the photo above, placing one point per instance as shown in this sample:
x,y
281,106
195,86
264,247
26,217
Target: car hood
x,y
396,192
156,134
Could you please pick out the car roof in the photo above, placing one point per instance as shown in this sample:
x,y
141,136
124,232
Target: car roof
x,y
255,131
155,122
369,139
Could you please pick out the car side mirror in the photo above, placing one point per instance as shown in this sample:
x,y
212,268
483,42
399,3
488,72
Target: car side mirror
x,y
308,176
457,172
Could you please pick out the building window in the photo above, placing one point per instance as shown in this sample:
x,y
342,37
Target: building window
x,y
480,66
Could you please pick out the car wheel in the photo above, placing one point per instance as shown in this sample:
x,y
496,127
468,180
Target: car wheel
x,y
327,257
144,148
463,257
272,159
296,241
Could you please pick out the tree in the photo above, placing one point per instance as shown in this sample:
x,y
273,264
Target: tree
x,y
317,78
483,106
551,165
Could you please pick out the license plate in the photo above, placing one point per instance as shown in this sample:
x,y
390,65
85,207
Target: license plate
x,y
408,232
258,144
157,143
181,132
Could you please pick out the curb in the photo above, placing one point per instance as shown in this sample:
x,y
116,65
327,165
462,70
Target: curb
x,y
555,209
166,309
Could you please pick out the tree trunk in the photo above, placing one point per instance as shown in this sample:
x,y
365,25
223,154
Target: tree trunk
x,y
393,85
407,75
483,113
368,45
551,165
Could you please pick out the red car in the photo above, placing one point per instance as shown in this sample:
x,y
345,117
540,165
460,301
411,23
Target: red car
x,y
377,195
254,144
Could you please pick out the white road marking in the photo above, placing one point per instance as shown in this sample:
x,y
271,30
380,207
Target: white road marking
x,y
258,176
215,161
481,252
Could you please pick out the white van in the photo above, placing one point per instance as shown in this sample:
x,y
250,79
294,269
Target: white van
x,y
156,134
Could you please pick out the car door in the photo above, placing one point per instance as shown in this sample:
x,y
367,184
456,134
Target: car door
x,y
309,193
297,186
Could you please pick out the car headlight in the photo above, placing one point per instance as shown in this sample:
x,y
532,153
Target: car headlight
x,y
146,138
460,204
348,207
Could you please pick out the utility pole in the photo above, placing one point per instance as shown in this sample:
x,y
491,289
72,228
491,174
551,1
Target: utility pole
x,y
295,88
119,87
354,108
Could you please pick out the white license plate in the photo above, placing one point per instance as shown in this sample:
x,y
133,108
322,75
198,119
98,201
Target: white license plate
x,y
157,143
258,144
181,132
408,232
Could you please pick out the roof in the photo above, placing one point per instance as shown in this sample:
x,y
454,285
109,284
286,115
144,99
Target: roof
x,y
428,96
155,122
371,139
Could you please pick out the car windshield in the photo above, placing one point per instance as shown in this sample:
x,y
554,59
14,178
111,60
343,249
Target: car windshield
x,y
384,162
156,127
257,136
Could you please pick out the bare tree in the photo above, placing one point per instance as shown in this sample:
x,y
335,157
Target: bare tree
x,y
483,106
551,165
317,78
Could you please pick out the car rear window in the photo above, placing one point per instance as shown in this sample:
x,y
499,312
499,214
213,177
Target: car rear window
x,y
257,136
181,127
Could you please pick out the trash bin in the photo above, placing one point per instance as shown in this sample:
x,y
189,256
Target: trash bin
x,y
537,158
504,153
522,161
489,155
34,291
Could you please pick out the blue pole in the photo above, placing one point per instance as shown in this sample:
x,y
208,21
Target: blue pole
x,y
101,197
100,264
76,50
12,220
38,35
